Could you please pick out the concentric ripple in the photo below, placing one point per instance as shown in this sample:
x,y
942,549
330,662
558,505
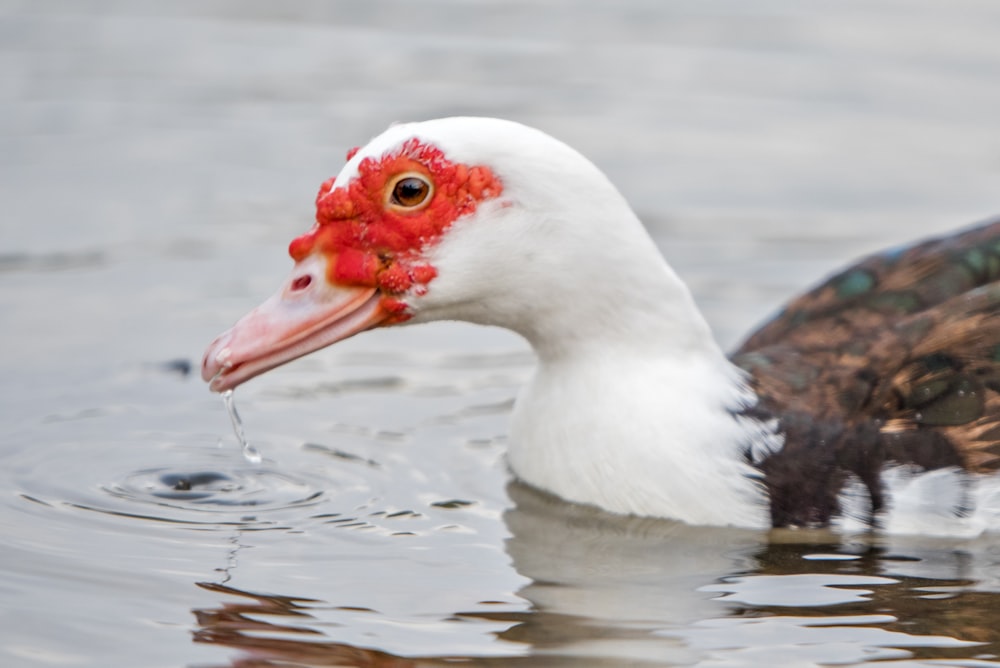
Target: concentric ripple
x,y
216,491
178,482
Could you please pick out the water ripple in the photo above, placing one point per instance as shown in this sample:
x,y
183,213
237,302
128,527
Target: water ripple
x,y
216,491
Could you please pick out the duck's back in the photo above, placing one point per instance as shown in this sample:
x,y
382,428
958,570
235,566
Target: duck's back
x,y
893,362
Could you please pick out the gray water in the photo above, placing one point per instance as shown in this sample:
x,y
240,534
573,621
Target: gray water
x,y
157,157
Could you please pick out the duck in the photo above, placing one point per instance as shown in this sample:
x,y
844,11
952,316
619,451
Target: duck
x,y
870,402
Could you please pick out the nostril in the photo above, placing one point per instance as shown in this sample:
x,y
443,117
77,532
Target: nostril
x,y
301,283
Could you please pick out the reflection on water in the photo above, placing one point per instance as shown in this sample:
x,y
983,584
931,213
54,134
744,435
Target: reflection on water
x,y
156,160
608,591
247,624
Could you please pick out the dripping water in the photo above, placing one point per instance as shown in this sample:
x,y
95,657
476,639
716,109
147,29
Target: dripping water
x,y
250,452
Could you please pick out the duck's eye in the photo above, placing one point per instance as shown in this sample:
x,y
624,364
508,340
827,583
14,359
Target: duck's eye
x,y
410,192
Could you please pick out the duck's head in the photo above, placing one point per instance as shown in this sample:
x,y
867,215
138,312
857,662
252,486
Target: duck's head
x,y
473,219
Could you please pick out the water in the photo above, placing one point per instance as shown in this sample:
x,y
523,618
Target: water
x,y
158,157
250,452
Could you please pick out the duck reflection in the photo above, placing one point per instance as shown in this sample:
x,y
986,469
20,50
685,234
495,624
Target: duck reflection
x,y
937,587
607,590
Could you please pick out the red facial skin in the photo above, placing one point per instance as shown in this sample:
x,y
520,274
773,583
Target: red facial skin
x,y
356,266
371,242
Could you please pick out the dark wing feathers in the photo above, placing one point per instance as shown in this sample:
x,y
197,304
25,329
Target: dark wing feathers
x,y
896,359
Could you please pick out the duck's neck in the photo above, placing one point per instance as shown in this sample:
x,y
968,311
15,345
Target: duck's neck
x,y
636,411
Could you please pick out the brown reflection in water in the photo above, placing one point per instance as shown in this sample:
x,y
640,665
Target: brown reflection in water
x,y
237,624
922,606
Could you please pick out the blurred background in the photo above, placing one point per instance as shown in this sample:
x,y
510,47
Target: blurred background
x,y
171,130
157,157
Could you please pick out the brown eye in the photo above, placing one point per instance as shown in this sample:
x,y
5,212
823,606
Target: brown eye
x,y
410,191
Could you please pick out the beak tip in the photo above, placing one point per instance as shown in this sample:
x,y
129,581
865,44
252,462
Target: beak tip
x,y
215,385
217,357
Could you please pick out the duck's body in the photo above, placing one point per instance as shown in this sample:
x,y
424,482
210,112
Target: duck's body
x,y
887,372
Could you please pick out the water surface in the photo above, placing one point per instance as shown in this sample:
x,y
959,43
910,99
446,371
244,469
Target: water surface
x,y
157,158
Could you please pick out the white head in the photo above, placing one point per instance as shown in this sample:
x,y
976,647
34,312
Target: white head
x,y
473,219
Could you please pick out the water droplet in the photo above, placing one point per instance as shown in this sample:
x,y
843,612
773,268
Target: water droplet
x,y
250,452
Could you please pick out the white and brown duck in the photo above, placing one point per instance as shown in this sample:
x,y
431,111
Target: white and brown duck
x,y
872,400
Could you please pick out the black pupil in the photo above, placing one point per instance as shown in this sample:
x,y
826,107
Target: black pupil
x,y
410,192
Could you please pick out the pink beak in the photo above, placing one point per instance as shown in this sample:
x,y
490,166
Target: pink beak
x,y
306,314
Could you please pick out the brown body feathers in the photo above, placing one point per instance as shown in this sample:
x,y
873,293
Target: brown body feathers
x,y
895,360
